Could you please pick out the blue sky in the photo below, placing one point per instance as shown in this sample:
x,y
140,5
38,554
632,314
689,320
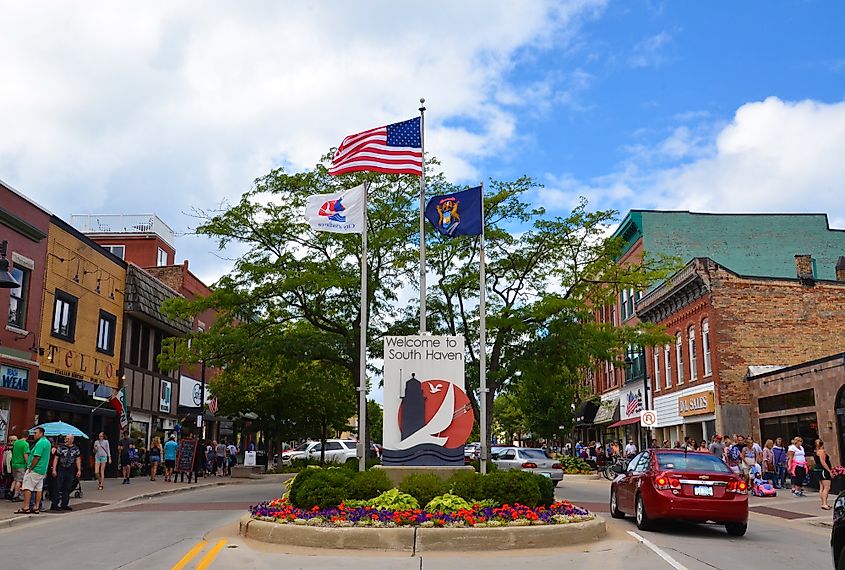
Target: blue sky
x,y
163,107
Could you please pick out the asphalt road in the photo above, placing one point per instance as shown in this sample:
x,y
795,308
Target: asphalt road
x,y
159,533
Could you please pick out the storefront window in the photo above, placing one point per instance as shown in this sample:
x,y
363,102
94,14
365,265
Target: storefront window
x,y
139,431
788,427
788,401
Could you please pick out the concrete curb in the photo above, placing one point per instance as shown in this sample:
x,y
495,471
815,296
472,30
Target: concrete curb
x,y
424,539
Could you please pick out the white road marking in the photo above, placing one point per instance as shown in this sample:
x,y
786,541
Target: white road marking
x,y
659,551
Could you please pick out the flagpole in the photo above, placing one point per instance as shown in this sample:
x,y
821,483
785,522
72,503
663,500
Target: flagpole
x,y
422,218
482,343
362,380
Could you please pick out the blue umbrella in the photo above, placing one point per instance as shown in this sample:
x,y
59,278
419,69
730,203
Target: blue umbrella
x,y
59,428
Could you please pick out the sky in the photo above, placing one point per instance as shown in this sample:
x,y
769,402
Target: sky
x,y
165,107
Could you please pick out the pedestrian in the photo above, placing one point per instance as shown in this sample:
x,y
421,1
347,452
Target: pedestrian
x,y
123,447
749,457
630,449
20,456
824,469
768,461
36,469
67,468
667,444
233,456
154,457
220,451
691,444
102,457
780,458
170,457
702,446
797,466
716,447
210,455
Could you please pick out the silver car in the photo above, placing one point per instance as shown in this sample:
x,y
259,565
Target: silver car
x,y
533,460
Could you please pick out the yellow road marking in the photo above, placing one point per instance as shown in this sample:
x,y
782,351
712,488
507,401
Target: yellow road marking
x,y
190,555
212,554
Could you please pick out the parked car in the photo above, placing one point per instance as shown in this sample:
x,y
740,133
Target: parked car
x,y
532,460
472,451
337,451
837,535
673,484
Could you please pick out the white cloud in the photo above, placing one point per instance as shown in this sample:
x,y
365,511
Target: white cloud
x,y
648,52
162,106
774,156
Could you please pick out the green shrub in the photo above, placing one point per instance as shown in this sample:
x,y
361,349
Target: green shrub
x,y
547,490
296,483
465,484
574,465
491,467
369,484
508,487
352,463
423,487
394,500
326,488
447,503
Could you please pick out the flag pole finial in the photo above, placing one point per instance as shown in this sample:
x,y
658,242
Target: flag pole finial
x,y
422,104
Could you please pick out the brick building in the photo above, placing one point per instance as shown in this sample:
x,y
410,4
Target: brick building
x,y
807,399
23,233
723,323
761,245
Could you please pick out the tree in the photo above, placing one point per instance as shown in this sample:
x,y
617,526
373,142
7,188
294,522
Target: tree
x,y
375,420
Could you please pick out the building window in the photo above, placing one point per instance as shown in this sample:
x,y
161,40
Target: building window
x,y
656,354
679,357
18,297
788,401
705,343
64,316
105,333
667,366
693,357
162,258
624,305
116,250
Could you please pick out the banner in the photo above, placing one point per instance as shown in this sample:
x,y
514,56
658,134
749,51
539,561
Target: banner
x,y
340,212
427,414
118,402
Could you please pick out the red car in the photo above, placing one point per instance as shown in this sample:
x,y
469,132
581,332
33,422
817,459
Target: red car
x,y
680,485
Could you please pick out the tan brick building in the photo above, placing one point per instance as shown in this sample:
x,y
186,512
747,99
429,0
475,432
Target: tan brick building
x,y
724,323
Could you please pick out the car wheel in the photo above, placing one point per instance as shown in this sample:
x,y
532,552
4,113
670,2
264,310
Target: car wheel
x,y
643,522
736,529
614,507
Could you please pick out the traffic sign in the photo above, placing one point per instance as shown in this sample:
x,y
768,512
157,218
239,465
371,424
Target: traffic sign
x,y
648,418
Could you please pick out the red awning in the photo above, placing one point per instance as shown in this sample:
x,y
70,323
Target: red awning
x,y
627,422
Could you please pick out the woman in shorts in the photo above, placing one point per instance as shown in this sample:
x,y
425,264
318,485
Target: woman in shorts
x,y
154,457
797,466
102,457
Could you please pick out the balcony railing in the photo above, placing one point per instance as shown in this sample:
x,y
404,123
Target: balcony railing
x,y
124,224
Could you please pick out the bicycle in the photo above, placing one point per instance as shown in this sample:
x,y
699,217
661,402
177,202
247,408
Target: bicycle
x,y
609,473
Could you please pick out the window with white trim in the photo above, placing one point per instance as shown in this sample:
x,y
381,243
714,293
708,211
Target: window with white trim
x,y
705,345
693,357
679,357
116,250
161,260
624,304
19,297
656,358
667,365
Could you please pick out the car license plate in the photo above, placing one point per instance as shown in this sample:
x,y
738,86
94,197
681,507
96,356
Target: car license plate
x,y
547,475
703,491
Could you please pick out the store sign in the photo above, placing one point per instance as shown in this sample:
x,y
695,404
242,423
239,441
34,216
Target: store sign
x,y
190,392
631,401
696,404
14,378
164,396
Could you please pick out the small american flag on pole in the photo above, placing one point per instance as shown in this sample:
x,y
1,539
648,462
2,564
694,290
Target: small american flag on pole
x,y
392,149
213,406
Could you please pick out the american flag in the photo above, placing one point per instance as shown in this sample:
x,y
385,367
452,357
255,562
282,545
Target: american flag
x,y
394,149
213,406
633,404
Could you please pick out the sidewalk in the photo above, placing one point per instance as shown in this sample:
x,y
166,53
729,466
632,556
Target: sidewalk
x,y
787,506
114,492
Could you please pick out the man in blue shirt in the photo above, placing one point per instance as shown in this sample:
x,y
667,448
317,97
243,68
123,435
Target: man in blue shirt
x,y
170,457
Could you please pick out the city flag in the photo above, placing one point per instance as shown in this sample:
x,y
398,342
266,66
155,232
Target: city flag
x,y
340,212
118,402
393,149
457,214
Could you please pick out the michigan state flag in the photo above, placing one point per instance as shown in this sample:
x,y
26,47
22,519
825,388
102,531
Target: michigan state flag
x,y
457,214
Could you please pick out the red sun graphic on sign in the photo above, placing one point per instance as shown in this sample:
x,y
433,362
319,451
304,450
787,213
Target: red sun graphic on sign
x,y
434,392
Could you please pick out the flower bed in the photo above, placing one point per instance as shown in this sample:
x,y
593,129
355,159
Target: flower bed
x,y
283,512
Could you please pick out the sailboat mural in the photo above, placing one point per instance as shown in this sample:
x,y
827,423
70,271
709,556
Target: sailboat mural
x,y
428,417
